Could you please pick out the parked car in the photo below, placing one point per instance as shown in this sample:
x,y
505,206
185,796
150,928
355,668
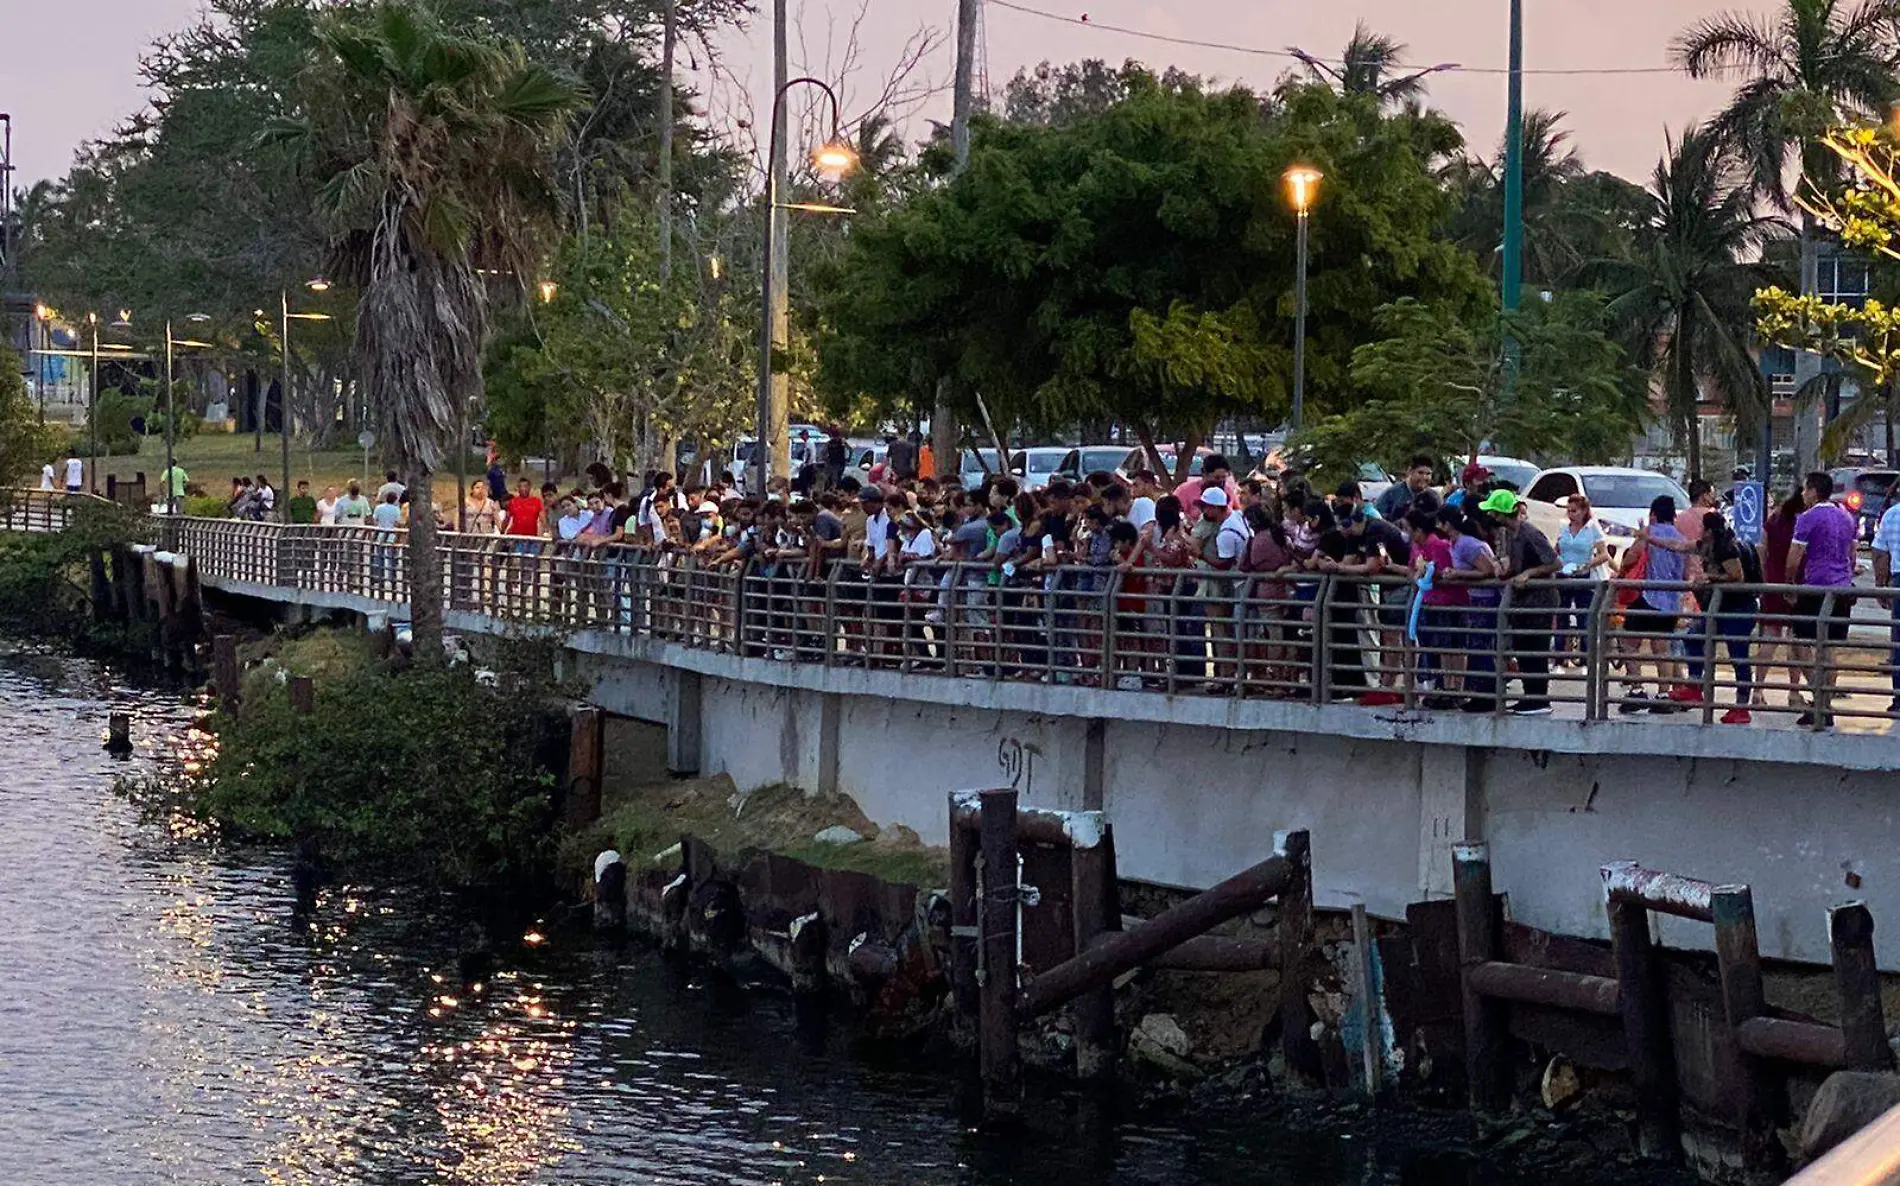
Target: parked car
x,y
1515,473
1041,464
971,469
1138,459
1619,497
1091,459
1863,493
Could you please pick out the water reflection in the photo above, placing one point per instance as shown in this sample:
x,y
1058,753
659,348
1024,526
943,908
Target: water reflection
x,y
162,1021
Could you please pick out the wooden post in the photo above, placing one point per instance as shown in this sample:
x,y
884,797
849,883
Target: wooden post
x,y
1096,910
1295,926
1487,1037
119,733
303,694
963,852
1372,1056
808,941
99,584
996,975
1850,932
584,766
1645,1030
1738,967
224,671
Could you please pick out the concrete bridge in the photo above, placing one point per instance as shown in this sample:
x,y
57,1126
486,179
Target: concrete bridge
x,y
837,685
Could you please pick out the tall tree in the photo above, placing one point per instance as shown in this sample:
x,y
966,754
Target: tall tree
x,y
430,151
1551,225
1370,65
1810,65
1683,297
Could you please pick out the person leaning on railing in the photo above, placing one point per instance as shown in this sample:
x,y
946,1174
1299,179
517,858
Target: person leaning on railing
x,y
1583,554
1824,552
1529,562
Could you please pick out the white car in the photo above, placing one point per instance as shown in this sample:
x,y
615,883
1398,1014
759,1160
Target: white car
x,y
1041,464
1093,459
1619,498
1520,474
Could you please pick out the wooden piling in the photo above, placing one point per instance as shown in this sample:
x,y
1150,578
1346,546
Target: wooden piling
x,y
963,853
1096,911
224,671
1487,1036
807,950
1371,1053
303,694
1645,1030
996,976
1294,924
1753,1098
119,733
1850,932
99,585
586,756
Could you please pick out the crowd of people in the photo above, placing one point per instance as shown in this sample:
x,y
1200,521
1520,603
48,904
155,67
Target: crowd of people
x,y
1217,581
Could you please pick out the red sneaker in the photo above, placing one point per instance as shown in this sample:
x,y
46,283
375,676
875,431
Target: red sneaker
x,y
1736,716
1380,700
1686,694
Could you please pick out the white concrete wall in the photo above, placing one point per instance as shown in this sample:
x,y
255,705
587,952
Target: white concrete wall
x,y
1192,806
1796,835
759,735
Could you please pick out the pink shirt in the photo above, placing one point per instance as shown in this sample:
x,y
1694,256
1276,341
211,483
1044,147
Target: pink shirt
x,y
1189,492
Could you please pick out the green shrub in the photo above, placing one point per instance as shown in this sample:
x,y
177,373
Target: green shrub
x,y
116,412
423,773
205,506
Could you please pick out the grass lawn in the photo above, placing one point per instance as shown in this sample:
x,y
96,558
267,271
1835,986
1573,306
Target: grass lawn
x,y
211,460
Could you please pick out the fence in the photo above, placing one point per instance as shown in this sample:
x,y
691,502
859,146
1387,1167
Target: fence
x,y
1591,650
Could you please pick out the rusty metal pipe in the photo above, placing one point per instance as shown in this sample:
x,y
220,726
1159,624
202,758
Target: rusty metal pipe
x,y
1665,893
1547,986
1240,894
1792,1041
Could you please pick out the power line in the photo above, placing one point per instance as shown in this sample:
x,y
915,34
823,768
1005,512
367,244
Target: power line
x,y
1291,56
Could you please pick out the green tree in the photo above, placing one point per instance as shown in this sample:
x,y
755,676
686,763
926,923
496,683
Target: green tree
x,y
1551,224
1811,65
1135,265
26,443
429,149
1434,383
1372,64
1682,297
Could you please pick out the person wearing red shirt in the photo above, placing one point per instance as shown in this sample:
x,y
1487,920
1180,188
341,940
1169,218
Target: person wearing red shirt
x,y
524,523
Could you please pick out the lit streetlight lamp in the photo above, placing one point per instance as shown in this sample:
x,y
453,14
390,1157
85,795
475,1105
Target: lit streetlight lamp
x,y
171,418
319,286
1302,183
833,159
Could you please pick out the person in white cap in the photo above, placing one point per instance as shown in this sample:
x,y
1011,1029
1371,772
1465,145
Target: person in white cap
x,y
1223,553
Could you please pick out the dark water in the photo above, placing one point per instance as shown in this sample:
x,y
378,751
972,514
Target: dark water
x,y
162,1021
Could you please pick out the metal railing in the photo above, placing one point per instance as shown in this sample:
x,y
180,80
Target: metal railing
x,y
1589,650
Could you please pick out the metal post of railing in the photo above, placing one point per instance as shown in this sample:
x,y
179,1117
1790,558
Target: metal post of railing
x,y
1111,636
1323,641
1712,616
1596,657
1501,652
1818,679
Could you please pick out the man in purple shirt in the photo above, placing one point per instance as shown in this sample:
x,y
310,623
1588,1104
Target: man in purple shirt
x,y
1825,538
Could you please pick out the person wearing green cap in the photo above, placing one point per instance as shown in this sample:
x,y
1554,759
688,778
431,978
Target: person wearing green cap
x,y
1529,562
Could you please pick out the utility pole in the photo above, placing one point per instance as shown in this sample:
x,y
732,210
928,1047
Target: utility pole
x,y
1512,264
943,425
778,461
668,36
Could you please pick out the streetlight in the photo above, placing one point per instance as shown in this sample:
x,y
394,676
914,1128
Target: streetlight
x,y
1302,183
833,159
44,315
171,425
319,286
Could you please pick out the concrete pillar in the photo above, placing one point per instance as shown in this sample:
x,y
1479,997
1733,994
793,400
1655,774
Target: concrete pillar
x,y
683,722
1095,765
830,710
1450,811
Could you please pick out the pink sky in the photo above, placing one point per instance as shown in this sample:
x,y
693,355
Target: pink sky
x,y
67,71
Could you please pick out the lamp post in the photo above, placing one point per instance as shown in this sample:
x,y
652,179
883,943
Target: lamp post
x,y
44,316
1302,185
92,408
835,157
171,417
318,286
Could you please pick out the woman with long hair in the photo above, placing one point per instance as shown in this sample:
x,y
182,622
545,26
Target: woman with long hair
x,y
1777,608
1475,565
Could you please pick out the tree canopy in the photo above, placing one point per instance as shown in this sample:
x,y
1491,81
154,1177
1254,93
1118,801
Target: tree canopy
x,y
1135,264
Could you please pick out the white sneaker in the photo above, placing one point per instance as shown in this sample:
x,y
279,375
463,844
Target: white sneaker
x,y
1128,683
782,655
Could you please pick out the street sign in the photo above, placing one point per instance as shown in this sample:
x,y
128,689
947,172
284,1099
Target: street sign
x,y
1748,516
366,438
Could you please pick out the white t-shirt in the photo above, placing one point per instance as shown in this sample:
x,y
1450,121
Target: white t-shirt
x,y
921,546
1232,539
877,534
75,473
1141,512
651,519
46,476
326,511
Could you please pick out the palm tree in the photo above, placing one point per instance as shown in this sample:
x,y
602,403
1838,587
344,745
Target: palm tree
x,y
1814,63
1683,297
1550,164
430,150
1367,68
